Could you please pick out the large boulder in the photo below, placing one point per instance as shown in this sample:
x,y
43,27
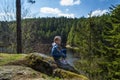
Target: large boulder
x,y
41,63
48,66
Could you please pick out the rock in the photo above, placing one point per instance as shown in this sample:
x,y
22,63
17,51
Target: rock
x,y
48,66
68,75
18,73
68,67
41,63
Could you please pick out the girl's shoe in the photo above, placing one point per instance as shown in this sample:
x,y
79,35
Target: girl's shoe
x,y
64,62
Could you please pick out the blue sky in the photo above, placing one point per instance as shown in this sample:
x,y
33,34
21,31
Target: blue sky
x,y
72,8
57,8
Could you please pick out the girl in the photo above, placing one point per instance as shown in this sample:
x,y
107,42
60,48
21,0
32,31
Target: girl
x,y
57,51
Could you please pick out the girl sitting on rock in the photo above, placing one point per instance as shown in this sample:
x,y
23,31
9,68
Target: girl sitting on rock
x,y
58,53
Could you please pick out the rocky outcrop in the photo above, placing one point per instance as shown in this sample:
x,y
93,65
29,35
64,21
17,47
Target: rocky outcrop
x,y
48,66
41,63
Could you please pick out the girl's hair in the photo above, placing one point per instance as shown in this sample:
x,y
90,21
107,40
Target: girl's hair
x,y
57,38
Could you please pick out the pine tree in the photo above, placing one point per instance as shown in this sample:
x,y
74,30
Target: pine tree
x,y
111,48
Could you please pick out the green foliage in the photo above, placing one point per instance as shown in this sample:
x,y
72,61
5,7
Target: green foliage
x,y
71,36
34,32
98,40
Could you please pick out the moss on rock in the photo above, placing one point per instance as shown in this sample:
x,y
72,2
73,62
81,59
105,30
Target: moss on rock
x,y
68,75
41,63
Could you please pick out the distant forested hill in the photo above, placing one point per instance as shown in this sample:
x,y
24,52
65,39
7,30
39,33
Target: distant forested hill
x,y
34,32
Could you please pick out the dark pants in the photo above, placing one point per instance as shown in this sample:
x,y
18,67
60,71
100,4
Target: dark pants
x,y
63,55
64,51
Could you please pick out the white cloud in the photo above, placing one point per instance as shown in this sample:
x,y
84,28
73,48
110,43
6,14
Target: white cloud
x,y
56,11
67,15
69,2
48,10
99,12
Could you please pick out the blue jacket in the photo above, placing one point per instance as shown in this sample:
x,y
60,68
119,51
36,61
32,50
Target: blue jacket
x,y
56,53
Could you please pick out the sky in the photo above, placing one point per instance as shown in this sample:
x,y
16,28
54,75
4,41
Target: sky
x,y
66,8
72,8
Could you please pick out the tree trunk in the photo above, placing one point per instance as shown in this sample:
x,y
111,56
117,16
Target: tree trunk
x,y
18,18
